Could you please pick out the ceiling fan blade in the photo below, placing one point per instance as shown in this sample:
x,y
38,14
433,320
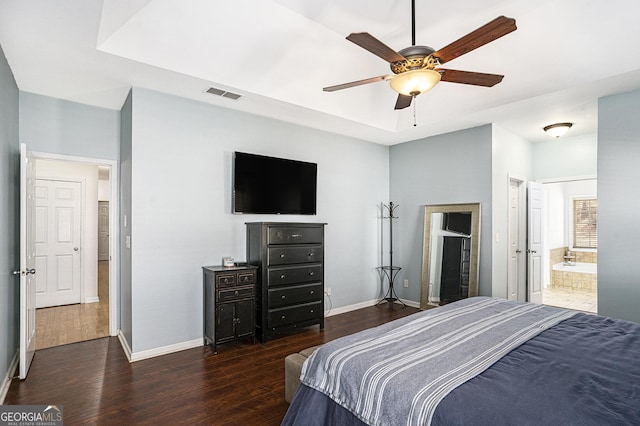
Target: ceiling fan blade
x,y
483,35
355,83
375,46
403,101
467,77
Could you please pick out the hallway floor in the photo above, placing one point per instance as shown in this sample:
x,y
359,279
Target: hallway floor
x,y
580,300
60,325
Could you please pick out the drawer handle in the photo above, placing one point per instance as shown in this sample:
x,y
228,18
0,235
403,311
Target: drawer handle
x,y
236,292
282,317
311,292
296,235
311,273
310,254
283,297
281,255
311,311
282,277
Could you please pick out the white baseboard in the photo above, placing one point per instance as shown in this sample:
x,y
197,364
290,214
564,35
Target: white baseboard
x,y
349,308
94,299
6,382
411,303
163,350
177,347
125,345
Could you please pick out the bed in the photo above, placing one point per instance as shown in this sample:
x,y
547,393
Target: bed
x,y
479,361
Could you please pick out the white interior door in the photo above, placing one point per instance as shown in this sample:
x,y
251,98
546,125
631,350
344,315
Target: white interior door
x,y
534,240
517,266
103,230
515,251
27,260
58,236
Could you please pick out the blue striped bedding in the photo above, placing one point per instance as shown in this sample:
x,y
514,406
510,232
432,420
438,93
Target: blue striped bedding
x,y
465,363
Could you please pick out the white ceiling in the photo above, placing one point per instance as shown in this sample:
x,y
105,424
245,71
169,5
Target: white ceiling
x,y
279,54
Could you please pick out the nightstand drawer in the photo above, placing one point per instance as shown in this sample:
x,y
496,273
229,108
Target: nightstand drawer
x,y
236,293
295,294
294,314
279,255
225,279
294,235
246,278
294,275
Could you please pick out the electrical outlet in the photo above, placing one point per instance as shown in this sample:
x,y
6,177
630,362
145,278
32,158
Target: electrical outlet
x,y
406,283
328,291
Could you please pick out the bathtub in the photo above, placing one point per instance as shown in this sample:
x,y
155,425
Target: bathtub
x,y
583,276
585,268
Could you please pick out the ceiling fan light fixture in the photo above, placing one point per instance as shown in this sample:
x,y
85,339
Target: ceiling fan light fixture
x,y
415,82
558,129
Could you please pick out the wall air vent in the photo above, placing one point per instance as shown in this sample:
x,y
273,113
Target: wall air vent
x,y
223,93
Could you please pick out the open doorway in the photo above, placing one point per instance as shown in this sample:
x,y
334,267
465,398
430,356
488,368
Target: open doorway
x,y
571,254
75,281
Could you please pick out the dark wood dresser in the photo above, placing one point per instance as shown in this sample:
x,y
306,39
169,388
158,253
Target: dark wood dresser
x,y
291,276
229,303
456,257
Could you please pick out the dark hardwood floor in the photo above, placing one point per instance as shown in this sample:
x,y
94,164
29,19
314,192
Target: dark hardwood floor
x,y
242,385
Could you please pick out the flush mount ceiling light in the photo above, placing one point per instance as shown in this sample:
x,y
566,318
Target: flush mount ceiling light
x,y
558,129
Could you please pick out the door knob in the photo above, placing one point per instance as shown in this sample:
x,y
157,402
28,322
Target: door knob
x,y
26,272
76,249
518,251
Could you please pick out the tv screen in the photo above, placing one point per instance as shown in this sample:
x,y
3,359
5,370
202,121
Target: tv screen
x,y
458,222
269,185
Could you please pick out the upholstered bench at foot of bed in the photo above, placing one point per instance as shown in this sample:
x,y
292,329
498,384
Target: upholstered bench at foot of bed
x,y
292,369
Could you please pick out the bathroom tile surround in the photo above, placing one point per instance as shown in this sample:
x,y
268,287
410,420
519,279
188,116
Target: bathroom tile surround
x,y
572,290
573,280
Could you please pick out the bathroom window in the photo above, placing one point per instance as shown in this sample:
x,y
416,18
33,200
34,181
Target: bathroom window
x,y
585,223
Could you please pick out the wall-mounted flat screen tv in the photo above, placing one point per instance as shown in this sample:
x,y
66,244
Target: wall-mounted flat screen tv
x,y
270,185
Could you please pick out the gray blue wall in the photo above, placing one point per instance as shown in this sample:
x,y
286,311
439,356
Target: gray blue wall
x,y
125,288
566,157
511,157
445,169
181,163
62,127
9,222
618,206
176,158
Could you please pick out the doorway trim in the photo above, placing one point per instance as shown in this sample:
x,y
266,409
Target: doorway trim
x,y
114,226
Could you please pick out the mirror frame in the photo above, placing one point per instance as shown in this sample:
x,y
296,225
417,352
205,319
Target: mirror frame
x,y
474,208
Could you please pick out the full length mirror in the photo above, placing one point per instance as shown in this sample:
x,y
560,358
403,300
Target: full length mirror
x,y
450,253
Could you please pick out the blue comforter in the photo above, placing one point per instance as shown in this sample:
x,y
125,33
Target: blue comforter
x,y
584,370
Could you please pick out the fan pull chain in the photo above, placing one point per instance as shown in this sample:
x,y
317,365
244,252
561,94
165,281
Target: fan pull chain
x,y
415,124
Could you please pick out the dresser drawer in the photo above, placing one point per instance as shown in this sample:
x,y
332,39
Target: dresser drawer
x,y
294,275
285,316
294,235
282,255
295,294
236,293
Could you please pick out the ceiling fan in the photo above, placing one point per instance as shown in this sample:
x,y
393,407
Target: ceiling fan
x,y
416,69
